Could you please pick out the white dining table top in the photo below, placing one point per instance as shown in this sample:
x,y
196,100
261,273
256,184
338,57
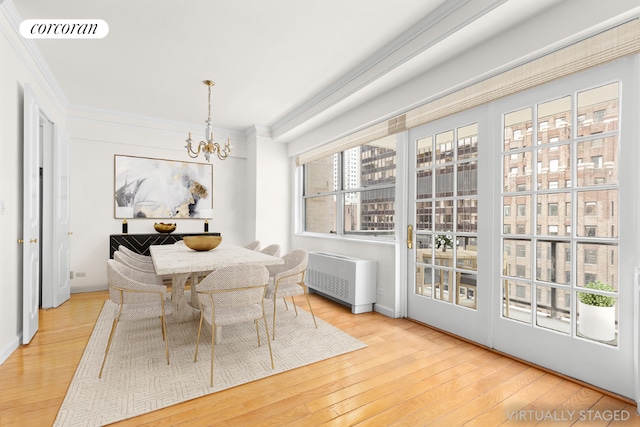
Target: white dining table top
x,y
179,259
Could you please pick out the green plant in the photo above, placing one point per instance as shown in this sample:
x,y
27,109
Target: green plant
x,y
597,299
444,241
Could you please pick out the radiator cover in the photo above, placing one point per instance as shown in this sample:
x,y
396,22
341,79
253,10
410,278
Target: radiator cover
x,y
345,279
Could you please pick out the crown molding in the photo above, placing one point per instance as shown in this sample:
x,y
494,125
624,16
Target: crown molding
x,y
30,55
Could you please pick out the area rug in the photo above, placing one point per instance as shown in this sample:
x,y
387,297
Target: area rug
x,y
136,378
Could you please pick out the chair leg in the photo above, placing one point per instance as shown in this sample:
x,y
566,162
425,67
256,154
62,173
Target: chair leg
x,y
274,319
258,332
285,303
306,294
293,302
213,339
106,352
166,338
266,329
195,358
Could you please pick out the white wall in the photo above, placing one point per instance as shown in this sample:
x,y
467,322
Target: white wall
x,y
95,138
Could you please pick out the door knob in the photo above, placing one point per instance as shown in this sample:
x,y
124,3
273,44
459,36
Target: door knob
x,y
33,241
410,236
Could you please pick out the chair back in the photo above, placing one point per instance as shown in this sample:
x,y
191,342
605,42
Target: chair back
x,y
123,277
234,286
254,246
131,254
292,271
273,250
133,263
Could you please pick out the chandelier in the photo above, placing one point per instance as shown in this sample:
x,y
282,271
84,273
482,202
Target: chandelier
x,y
208,147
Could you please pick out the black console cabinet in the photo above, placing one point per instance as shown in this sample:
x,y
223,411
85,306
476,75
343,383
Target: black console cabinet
x,y
140,242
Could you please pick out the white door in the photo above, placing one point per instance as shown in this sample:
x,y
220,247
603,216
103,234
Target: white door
x,y
445,263
31,218
61,218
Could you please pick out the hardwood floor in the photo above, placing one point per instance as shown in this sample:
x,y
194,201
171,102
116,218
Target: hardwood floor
x,y
409,375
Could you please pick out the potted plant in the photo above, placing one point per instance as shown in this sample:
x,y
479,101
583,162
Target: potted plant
x,y
444,241
597,313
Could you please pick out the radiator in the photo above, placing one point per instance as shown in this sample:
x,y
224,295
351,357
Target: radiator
x,y
347,280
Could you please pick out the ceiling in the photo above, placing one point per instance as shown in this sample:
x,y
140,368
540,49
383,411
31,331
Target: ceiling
x,y
281,65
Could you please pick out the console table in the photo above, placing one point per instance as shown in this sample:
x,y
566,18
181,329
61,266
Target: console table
x,y
140,242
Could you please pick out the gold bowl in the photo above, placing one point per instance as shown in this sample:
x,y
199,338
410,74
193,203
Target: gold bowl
x,y
161,227
202,243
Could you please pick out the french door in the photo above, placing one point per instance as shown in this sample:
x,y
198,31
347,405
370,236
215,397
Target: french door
x,y
445,287
523,214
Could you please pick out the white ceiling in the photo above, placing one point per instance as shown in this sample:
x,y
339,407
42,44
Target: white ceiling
x,y
276,63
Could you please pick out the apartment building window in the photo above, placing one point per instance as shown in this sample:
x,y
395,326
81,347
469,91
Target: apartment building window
x,y
352,192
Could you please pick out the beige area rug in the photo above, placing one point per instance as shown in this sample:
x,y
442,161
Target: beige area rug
x,y
137,379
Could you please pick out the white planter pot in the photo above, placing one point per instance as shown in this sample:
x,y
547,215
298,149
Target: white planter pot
x,y
598,323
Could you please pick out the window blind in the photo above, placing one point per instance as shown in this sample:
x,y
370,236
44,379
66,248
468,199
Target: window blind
x,y
604,47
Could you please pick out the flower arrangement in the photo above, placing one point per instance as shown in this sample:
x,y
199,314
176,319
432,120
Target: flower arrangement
x,y
444,241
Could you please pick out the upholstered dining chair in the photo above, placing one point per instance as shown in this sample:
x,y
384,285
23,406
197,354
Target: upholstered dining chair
x,y
133,263
136,296
287,280
135,255
254,246
273,250
230,295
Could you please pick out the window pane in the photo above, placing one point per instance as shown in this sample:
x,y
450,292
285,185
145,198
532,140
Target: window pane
x,y
516,300
517,129
424,216
599,164
598,110
424,280
320,214
370,212
370,164
554,120
553,309
468,141
520,223
321,176
597,262
517,258
444,147
424,155
467,290
553,262
444,181
467,216
598,213
444,215
517,172
424,248
424,184
552,217
554,167
468,179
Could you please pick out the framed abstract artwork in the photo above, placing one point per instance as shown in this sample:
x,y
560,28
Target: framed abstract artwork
x,y
157,188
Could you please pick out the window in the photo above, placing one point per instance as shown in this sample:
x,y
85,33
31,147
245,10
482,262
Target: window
x,y
355,187
553,209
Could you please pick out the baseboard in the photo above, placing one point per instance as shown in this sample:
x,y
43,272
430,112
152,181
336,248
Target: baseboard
x,y
88,288
10,348
384,310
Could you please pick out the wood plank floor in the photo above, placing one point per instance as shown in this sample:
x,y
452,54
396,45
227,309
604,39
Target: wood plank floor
x,y
409,375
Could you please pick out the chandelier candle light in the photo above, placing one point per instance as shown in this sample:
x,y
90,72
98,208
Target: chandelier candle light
x,y
209,147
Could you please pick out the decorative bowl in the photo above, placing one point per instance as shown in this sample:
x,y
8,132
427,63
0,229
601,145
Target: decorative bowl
x,y
161,227
202,243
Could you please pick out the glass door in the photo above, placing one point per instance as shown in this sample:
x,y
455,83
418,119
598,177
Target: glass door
x,y
443,231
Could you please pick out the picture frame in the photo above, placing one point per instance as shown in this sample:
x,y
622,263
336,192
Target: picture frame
x,y
153,188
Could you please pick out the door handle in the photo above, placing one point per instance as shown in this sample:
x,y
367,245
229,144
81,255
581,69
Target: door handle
x,y
33,240
410,237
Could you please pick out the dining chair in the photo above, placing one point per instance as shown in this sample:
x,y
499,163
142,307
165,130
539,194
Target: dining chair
x,y
136,296
133,263
230,295
254,246
287,280
273,250
135,255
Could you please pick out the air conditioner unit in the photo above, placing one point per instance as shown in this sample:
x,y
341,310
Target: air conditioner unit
x,y
348,280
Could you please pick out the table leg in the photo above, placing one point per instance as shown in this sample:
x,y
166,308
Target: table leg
x,y
182,311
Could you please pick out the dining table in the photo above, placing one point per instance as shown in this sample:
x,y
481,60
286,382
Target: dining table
x,y
181,263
